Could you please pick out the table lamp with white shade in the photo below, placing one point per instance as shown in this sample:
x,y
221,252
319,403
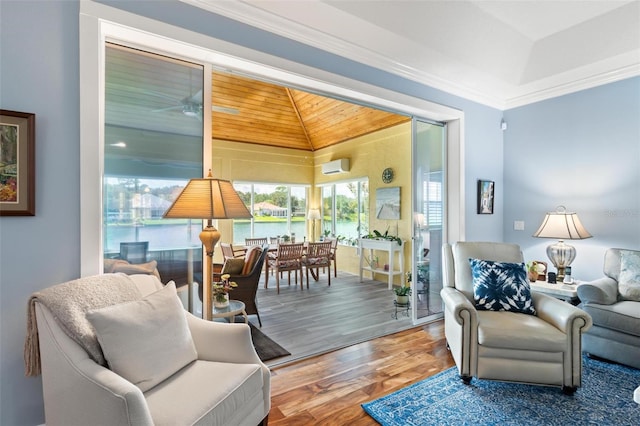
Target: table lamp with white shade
x,y
208,198
561,225
313,215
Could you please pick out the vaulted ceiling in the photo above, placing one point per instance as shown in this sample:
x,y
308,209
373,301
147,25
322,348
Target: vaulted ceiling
x,y
269,114
149,92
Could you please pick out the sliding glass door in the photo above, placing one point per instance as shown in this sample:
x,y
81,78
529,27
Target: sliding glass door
x,y
153,145
429,143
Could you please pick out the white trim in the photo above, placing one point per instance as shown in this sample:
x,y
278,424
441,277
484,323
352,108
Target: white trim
x,y
91,144
259,18
521,95
455,192
574,86
99,23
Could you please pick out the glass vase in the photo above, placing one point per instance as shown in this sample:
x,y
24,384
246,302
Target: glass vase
x,y
221,301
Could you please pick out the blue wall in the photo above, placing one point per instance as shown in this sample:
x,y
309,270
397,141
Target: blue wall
x,y
39,63
39,74
581,151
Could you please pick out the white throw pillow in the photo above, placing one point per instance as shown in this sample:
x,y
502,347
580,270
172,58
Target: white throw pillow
x,y
147,340
629,278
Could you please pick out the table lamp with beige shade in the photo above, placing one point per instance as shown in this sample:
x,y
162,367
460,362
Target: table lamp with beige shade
x,y
313,215
208,198
561,225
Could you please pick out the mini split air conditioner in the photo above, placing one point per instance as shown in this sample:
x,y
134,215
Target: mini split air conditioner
x,y
336,166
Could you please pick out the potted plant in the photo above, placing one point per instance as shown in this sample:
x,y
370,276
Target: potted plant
x,y
404,291
220,291
377,235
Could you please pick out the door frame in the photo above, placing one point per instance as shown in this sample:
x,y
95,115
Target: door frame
x,y
99,23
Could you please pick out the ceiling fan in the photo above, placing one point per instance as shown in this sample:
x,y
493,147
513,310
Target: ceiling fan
x,y
191,106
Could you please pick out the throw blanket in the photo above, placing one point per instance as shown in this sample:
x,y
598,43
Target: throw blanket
x,y
69,303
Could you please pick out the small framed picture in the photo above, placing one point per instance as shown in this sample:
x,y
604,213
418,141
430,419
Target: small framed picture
x,y
17,163
485,196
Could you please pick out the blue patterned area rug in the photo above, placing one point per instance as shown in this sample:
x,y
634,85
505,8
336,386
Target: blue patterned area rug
x,y
605,398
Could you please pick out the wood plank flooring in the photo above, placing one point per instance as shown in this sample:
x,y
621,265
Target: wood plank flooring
x,y
338,359
320,319
328,389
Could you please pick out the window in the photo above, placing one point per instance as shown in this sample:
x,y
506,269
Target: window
x,y
278,210
345,210
434,200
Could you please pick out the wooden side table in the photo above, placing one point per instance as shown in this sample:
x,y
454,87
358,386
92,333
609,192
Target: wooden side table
x,y
235,307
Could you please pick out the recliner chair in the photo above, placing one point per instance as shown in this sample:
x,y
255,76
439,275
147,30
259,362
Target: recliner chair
x,y
509,346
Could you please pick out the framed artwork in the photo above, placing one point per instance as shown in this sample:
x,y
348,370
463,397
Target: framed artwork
x,y
388,203
485,196
17,163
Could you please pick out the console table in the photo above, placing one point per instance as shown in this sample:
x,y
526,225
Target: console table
x,y
391,247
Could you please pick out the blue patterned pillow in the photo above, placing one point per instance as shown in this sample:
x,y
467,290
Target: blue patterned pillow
x,y
501,286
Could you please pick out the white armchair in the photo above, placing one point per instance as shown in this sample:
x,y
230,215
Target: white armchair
x,y
543,348
226,384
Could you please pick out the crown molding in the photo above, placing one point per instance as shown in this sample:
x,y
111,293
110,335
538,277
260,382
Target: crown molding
x,y
574,86
586,78
272,23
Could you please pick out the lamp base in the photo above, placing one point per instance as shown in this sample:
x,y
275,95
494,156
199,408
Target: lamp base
x,y
561,255
560,275
209,237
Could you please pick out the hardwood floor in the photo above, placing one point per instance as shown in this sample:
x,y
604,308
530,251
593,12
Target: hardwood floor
x,y
328,389
346,347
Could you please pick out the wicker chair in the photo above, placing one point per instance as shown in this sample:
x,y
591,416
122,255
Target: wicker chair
x,y
247,288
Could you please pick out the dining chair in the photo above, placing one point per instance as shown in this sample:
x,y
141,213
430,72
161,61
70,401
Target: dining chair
x,y
255,241
228,252
334,249
318,256
134,252
288,258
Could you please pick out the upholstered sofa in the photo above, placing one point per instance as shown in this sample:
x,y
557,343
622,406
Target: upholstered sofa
x,y
615,309
162,365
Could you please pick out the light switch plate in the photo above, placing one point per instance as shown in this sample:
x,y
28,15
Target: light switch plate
x,y
518,225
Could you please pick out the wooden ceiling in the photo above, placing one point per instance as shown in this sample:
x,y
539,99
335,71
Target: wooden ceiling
x,y
268,114
148,92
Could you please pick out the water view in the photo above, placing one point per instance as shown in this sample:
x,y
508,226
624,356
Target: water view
x,y
180,236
